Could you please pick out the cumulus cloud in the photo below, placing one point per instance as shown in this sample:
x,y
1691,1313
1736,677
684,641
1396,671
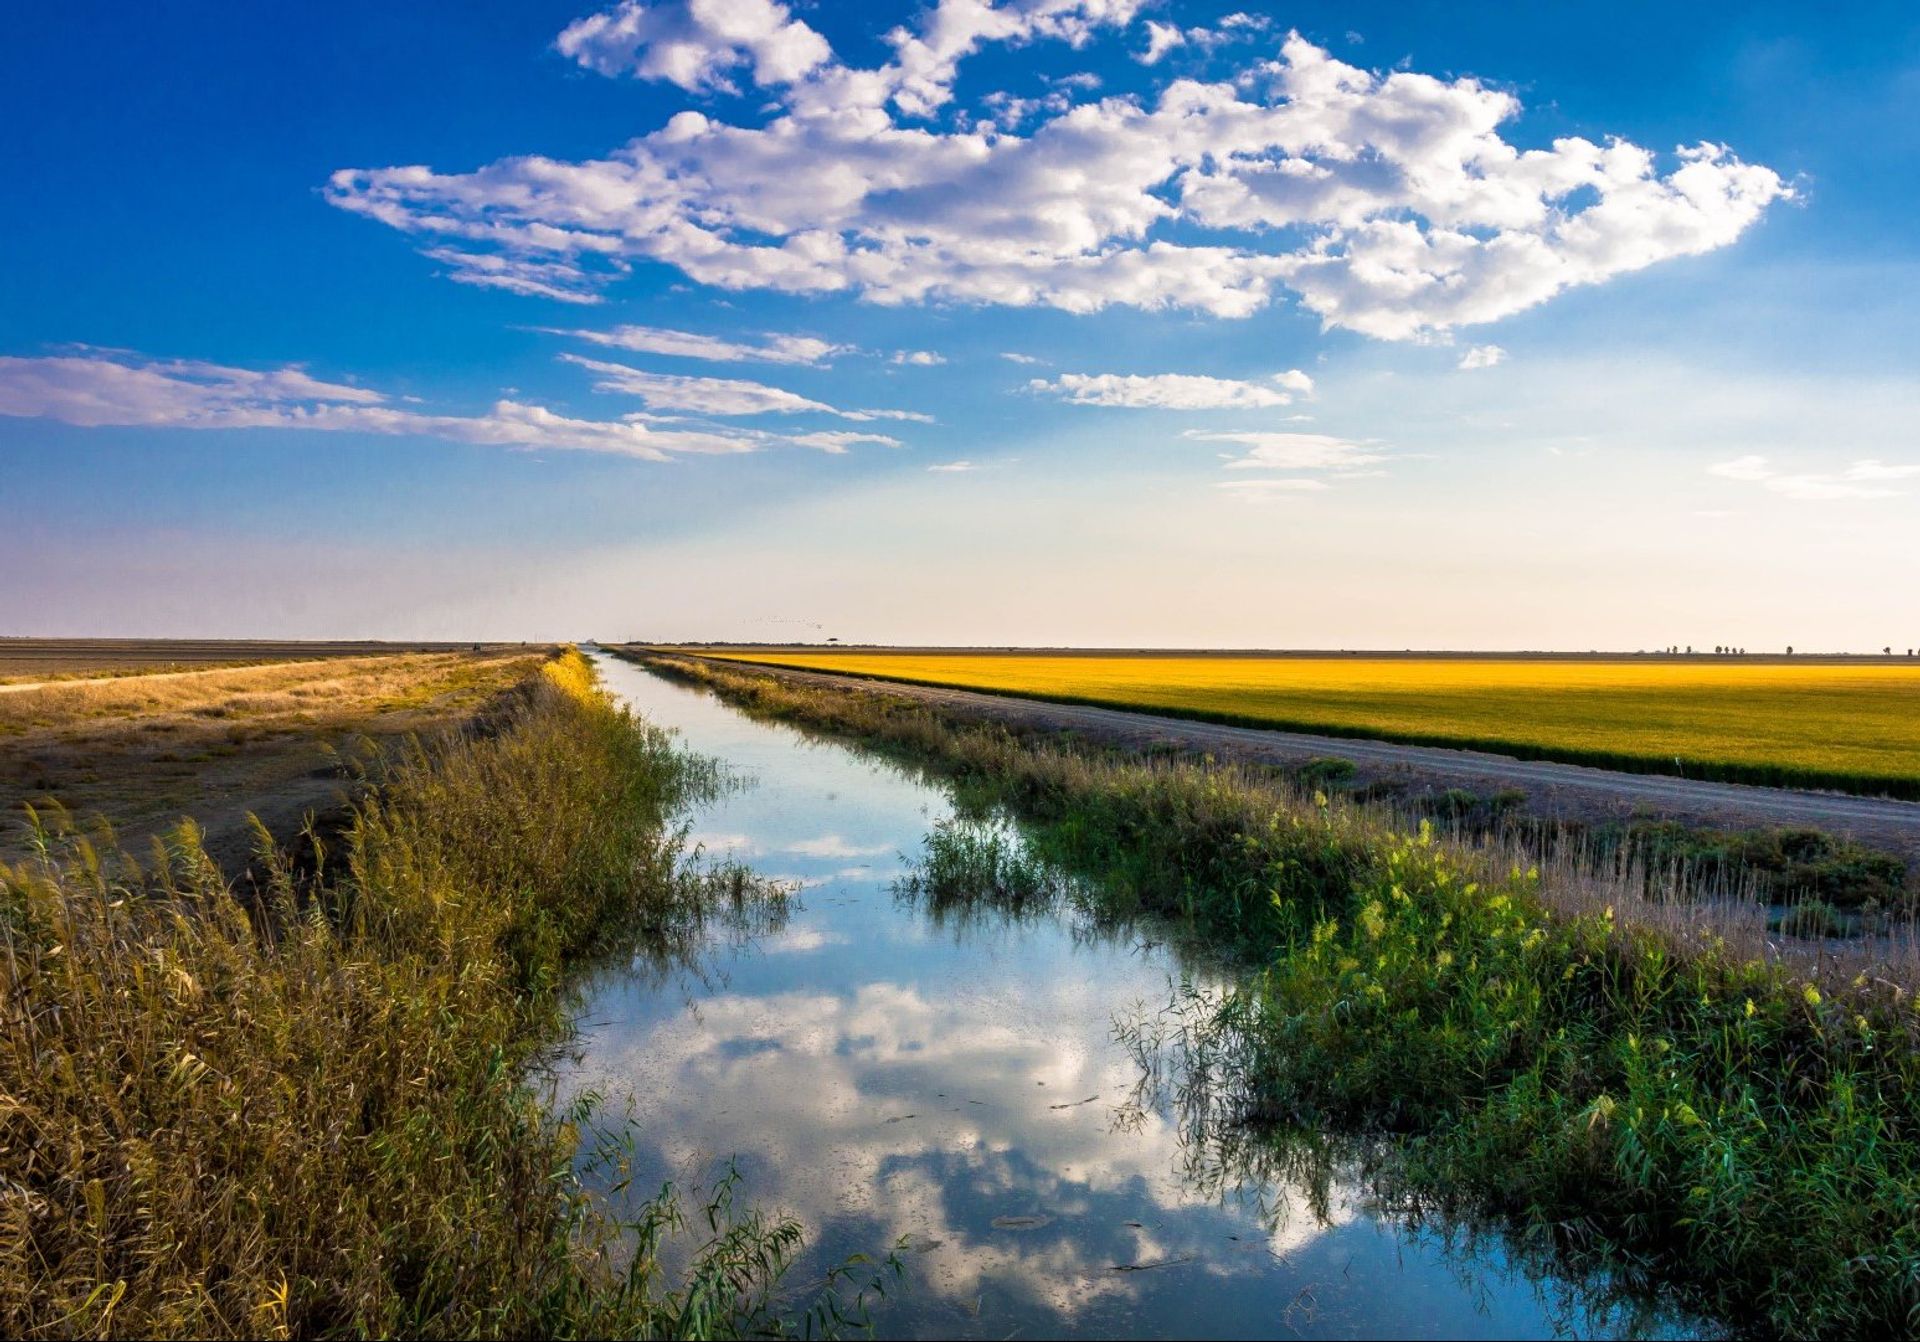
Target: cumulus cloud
x,y
1161,38
1482,356
1165,37
919,358
697,44
1866,479
1385,203
772,348
97,388
1173,391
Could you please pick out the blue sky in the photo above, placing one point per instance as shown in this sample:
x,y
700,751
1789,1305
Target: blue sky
x,y
1336,326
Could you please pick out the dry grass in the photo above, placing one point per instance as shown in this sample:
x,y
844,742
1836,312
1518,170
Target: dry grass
x,y
144,750
40,659
307,1116
1854,726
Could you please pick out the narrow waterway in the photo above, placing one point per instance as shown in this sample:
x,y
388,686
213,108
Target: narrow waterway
x,y
886,1076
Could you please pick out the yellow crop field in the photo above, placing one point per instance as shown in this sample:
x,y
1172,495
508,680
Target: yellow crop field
x,y
1854,726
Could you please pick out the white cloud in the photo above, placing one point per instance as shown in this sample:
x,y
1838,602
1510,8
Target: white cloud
x,y
835,442
1388,204
919,358
696,395
773,348
952,467
834,846
1864,479
1173,391
1482,356
696,44
1161,38
529,276
1021,359
1164,37
102,388
716,395
1294,451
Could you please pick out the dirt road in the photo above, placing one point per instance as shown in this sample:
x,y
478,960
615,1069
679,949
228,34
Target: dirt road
x,y
1572,791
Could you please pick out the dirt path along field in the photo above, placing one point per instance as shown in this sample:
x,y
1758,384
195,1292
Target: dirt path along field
x,y
1570,791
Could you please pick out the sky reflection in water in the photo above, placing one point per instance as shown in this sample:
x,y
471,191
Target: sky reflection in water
x,y
959,1086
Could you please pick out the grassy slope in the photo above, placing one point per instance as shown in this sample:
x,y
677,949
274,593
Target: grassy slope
x,y
307,1117
1848,727
1747,1134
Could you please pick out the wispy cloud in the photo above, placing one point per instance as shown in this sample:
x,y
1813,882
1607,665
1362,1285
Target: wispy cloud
x,y
1865,479
1482,356
918,358
834,846
717,395
532,276
1294,451
1173,391
836,441
97,389
771,348
1021,358
952,467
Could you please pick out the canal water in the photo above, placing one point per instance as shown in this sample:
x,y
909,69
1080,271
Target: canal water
x,y
884,1075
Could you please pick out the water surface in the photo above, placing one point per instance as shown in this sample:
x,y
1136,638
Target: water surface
x,y
958,1085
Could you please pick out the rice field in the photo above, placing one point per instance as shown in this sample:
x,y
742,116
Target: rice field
x,y
1852,726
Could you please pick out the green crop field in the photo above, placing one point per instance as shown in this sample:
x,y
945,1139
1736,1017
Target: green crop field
x,y
1852,726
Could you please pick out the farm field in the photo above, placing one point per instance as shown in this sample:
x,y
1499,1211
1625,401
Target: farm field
x,y
1852,726
141,751
36,659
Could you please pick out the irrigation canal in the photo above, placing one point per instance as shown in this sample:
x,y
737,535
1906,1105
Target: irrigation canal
x,y
887,1076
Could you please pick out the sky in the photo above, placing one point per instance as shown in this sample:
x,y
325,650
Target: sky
x,y
1038,322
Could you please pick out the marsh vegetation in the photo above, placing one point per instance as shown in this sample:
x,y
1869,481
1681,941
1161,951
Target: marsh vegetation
x,y
1601,1058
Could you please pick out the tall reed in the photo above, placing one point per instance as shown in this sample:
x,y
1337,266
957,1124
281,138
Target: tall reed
x,y
308,1112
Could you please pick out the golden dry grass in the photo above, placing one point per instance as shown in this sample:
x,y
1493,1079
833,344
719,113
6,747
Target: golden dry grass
x,y
308,1115
1847,725
38,659
144,750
